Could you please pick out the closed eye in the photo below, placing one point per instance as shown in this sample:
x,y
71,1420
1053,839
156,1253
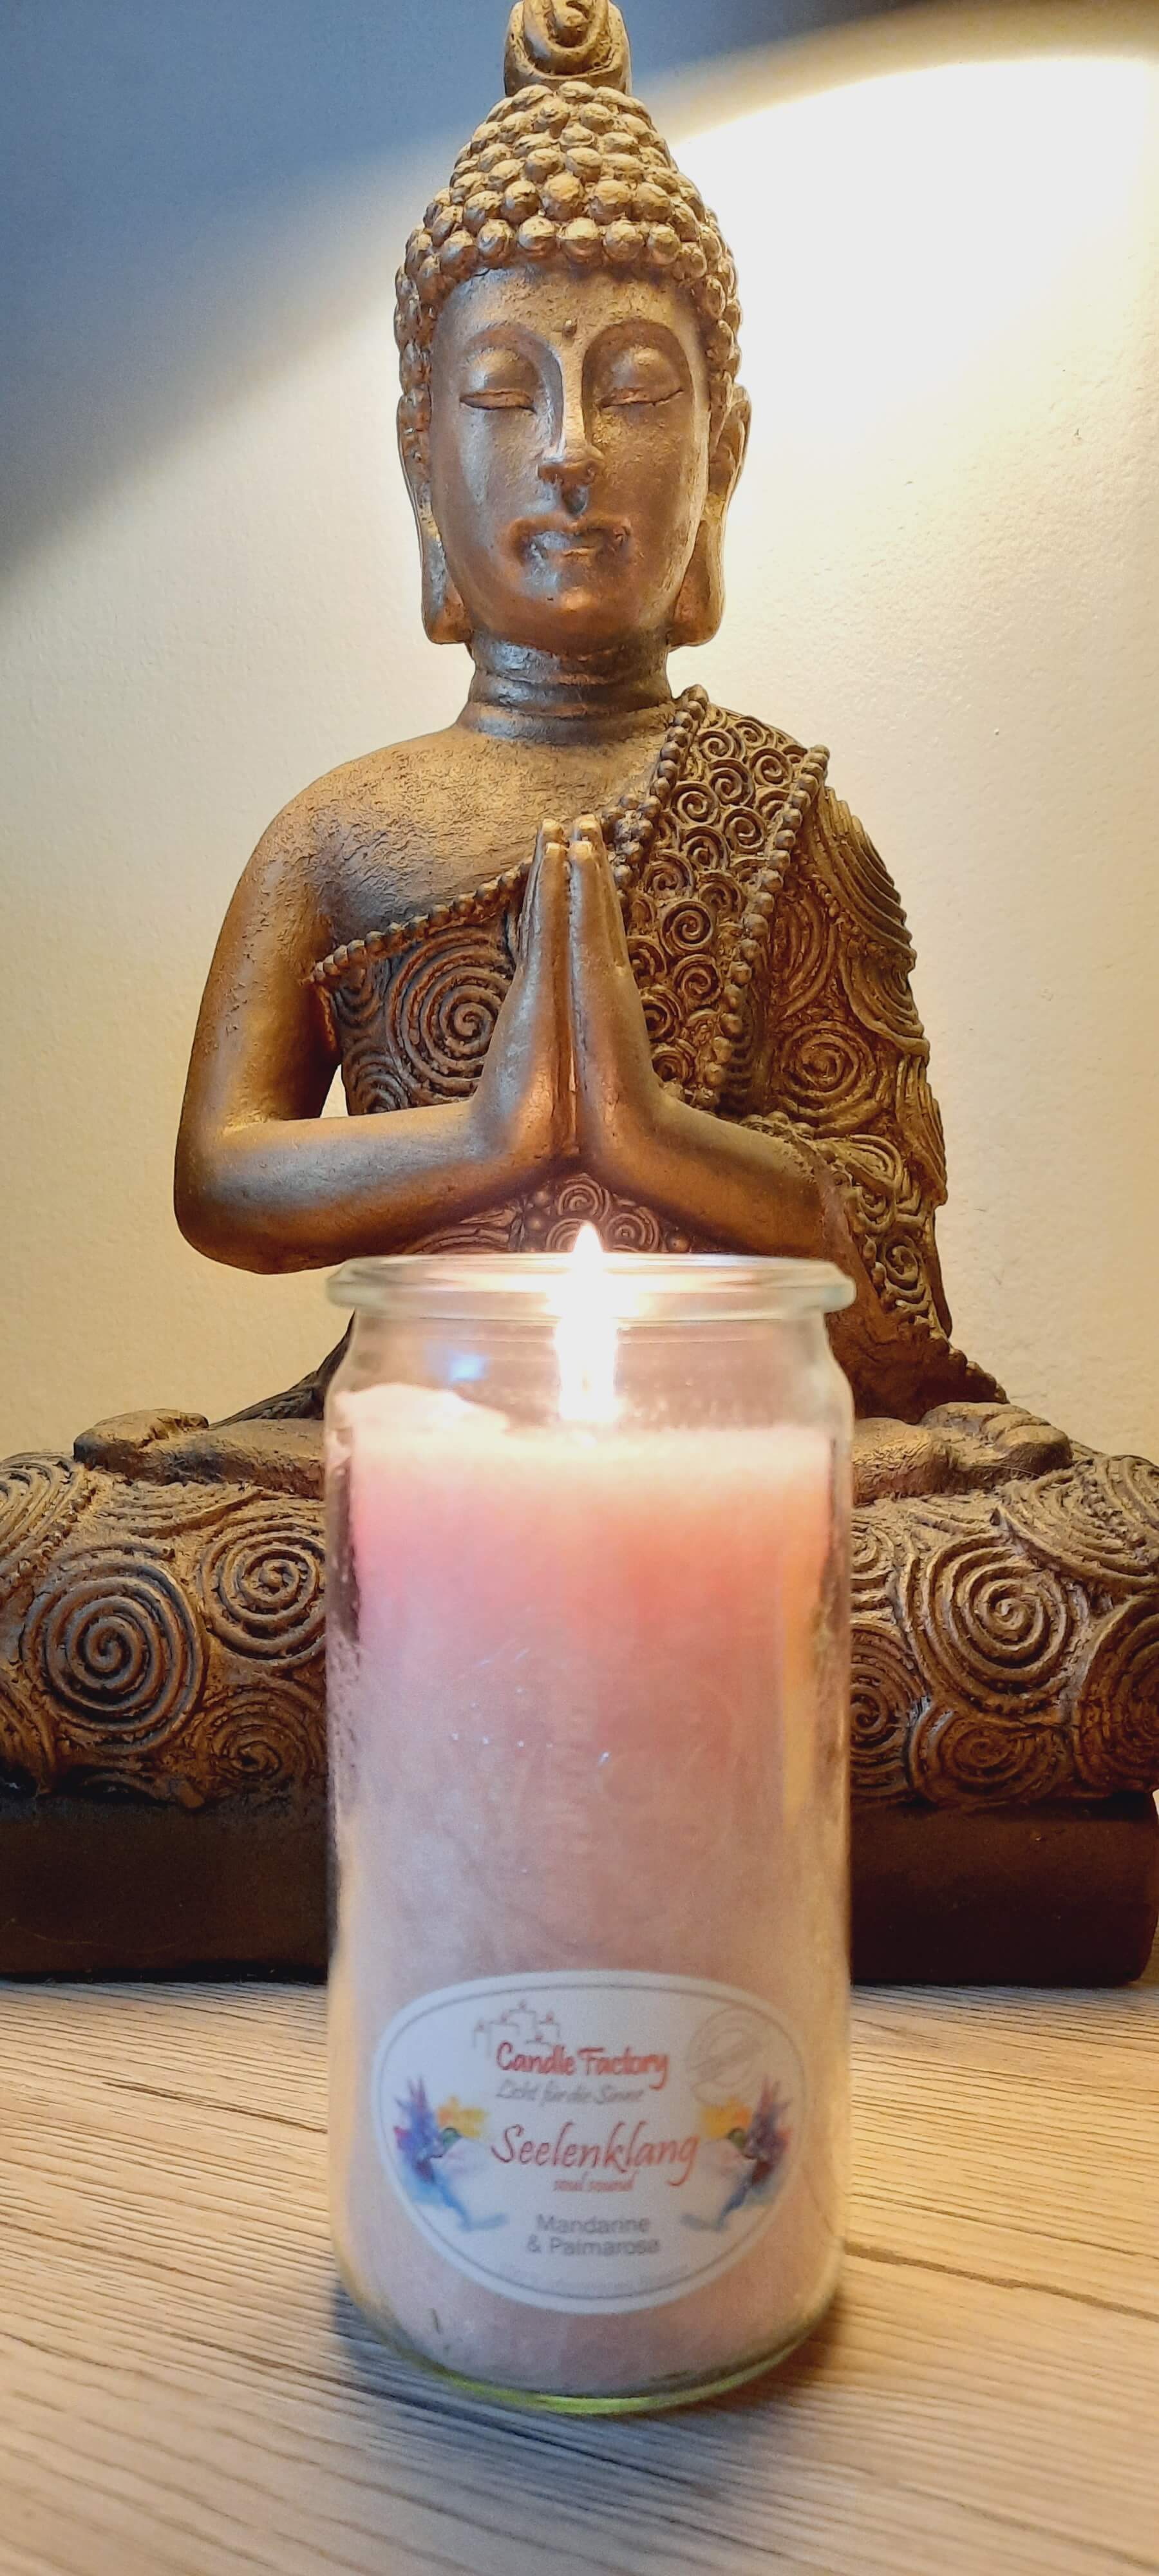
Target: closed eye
x,y
620,397
637,375
497,398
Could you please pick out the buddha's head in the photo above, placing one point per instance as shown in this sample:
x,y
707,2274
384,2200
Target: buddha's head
x,y
571,426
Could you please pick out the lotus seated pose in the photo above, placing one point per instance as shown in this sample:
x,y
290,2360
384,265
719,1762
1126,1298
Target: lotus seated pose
x,y
597,953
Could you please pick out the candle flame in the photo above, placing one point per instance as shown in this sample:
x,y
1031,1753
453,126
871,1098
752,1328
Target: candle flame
x,y
585,1336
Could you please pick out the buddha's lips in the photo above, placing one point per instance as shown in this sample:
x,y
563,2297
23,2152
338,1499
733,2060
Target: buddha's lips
x,y
558,538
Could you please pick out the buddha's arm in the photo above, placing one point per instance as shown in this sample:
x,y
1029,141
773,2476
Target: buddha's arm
x,y
744,1187
763,1188
262,1180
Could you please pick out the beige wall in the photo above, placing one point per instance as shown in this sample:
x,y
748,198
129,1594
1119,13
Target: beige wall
x,y
944,562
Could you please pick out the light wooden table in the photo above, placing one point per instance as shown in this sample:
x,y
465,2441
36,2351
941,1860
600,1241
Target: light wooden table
x,y
183,2393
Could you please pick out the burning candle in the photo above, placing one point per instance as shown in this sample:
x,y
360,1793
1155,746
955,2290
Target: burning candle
x,y
588,1760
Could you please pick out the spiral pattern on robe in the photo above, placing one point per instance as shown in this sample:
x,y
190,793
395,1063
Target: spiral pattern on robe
x,y
920,1121
663,1018
900,1259
830,1076
877,986
628,1228
41,1499
1132,1485
707,853
579,1201
696,983
722,744
886,1689
261,1582
989,1631
373,1081
747,832
675,1065
874,1180
722,893
686,924
443,1003
114,1641
622,1226
356,1001
747,733
873,1576
861,880
957,1758
1117,1704
494,1230
882,1179
771,769
668,872
647,957
263,1739
158,1512
803,944
727,775
693,804
1072,1520
27,1755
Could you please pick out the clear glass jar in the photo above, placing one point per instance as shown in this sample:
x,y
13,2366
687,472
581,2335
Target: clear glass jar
x,y
588,1663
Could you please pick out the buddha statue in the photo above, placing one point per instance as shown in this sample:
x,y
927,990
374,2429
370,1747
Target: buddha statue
x,y
591,953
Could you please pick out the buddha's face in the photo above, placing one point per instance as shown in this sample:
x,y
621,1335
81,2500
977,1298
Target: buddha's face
x,y
569,454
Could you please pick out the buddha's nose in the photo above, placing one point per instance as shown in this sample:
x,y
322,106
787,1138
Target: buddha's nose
x,y
570,464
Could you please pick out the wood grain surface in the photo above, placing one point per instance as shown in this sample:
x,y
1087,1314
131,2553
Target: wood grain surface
x,y
184,2392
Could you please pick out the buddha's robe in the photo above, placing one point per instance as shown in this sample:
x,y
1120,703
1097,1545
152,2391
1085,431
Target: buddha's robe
x,y
773,959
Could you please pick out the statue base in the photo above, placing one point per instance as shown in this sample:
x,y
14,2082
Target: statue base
x,y
162,1725
1050,1895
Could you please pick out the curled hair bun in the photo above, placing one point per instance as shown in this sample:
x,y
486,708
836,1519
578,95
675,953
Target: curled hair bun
x,y
566,40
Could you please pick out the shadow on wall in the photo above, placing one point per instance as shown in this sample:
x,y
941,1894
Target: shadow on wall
x,y
192,193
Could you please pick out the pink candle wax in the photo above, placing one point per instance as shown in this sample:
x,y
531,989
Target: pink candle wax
x,y
588,1765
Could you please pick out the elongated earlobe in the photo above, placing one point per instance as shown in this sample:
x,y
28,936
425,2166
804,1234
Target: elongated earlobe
x,y
444,615
700,605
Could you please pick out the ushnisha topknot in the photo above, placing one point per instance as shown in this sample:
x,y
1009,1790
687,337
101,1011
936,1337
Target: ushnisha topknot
x,y
566,40
564,169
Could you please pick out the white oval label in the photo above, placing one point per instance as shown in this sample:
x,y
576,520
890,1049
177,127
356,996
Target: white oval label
x,y
595,2142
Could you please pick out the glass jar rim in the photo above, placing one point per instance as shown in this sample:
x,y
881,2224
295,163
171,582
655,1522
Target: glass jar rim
x,y
637,1288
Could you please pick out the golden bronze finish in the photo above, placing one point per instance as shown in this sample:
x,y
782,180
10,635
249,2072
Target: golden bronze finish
x,y
590,952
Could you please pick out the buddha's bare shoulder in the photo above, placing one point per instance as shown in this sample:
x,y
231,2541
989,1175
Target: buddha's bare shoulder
x,y
363,833
380,791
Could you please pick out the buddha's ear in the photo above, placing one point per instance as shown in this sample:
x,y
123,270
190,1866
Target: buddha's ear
x,y
444,615
700,605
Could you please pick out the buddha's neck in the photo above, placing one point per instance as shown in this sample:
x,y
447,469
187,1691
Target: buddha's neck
x,y
549,698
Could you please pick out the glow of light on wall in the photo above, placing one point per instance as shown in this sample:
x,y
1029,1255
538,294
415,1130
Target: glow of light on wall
x,y
897,233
